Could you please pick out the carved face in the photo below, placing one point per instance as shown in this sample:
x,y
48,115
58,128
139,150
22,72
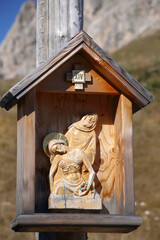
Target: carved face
x,y
57,148
90,120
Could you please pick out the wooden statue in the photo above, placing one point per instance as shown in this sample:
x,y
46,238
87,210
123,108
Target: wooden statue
x,y
71,174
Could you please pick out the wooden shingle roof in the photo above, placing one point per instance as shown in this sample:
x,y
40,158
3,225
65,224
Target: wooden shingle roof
x,y
121,79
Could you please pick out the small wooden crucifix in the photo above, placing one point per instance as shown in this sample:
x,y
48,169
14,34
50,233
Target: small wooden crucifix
x,y
79,77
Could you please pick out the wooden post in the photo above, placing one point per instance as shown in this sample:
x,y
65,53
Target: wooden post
x,y
57,22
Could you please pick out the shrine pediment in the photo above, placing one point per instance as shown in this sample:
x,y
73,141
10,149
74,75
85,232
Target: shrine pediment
x,y
108,76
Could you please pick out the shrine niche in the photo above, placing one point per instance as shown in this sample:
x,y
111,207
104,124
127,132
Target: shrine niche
x,y
74,142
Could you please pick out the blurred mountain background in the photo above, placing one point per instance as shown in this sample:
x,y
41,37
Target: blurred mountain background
x,y
112,24
130,31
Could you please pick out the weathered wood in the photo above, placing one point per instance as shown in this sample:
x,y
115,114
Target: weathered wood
x,y
130,87
60,108
103,62
124,155
26,155
65,222
65,21
42,35
57,22
57,80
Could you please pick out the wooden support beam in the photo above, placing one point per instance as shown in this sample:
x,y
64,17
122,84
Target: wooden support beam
x,y
124,155
65,21
26,155
57,22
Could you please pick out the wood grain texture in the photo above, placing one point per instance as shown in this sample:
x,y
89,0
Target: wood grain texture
x,y
118,82
124,137
60,21
66,20
42,34
55,114
66,222
71,173
26,155
57,80
119,155
123,80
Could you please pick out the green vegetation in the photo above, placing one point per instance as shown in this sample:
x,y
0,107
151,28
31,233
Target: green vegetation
x,y
142,59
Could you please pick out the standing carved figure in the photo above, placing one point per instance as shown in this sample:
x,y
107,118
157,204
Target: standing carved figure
x,y
82,135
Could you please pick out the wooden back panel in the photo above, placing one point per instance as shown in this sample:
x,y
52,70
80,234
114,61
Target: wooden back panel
x,y
55,113
57,80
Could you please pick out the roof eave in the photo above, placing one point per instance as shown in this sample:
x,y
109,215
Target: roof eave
x,y
140,96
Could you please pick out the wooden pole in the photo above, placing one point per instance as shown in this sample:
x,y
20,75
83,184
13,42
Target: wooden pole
x,y
57,22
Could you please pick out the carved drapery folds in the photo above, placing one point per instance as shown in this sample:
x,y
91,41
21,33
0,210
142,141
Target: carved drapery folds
x,y
71,174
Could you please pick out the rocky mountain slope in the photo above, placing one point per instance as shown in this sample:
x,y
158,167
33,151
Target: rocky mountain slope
x,y
112,24
17,52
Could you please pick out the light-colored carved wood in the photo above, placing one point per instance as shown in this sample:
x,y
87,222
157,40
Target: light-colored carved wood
x,y
71,174
60,108
26,155
124,155
105,159
119,153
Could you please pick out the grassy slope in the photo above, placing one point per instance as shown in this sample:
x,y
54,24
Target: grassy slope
x,y
142,60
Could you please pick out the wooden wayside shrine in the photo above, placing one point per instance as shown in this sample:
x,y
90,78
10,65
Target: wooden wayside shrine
x,y
85,100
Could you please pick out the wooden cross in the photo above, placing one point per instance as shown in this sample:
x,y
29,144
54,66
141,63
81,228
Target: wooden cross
x,y
78,76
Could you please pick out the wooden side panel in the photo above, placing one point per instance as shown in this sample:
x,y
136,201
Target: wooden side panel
x,y
124,183
55,113
26,155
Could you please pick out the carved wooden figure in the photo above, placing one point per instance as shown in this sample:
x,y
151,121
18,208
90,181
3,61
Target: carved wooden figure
x,y
71,174
76,111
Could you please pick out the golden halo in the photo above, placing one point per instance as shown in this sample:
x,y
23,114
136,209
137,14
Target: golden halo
x,y
52,136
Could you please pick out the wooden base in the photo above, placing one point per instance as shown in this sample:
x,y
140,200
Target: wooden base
x,y
67,222
92,202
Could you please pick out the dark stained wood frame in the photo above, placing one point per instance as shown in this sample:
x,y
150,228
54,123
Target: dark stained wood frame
x,y
54,222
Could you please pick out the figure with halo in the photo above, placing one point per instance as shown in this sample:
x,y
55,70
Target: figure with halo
x,y
70,154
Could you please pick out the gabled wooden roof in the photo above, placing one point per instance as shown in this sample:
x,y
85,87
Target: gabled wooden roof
x,y
120,78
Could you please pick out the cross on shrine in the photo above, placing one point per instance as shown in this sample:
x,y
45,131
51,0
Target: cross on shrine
x,y
78,76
